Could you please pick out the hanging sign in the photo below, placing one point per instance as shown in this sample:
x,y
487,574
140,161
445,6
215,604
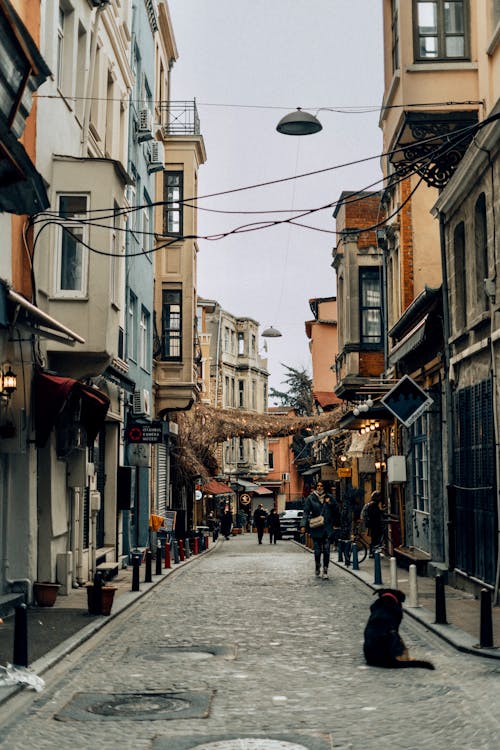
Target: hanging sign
x,y
245,499
150,432
407,401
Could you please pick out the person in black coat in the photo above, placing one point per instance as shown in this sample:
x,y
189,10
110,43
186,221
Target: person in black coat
x,y
374,520
226,523
273,526
320,503
259,521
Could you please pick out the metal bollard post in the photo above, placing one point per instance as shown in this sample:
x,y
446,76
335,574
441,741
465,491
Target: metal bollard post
x,y
195,545
187,549
175,549
347,552
147,571
207,541
377,569
136,561
158,559
182,556
412,580
20,656
340,550
394,572
168,563
486,625
355,561
440,602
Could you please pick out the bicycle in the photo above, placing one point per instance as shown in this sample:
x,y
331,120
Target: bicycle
x,y
362,546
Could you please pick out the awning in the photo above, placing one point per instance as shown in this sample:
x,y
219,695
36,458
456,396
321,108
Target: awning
x,y
30,316
262,491
247,486
409,342
213,487
326,399
52,393
362,445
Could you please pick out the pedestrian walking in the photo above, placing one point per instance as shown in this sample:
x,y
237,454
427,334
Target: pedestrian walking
x,y
273,526
259,521
321,518
226,523
374,521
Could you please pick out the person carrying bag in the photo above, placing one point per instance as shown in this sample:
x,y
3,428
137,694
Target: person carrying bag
x,y
321,518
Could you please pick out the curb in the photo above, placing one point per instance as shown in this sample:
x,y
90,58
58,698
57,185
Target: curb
x,y
121,603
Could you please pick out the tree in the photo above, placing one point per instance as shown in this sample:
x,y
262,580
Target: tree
x,y
299,394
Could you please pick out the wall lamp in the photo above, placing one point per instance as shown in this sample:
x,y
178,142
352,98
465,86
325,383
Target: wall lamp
x,y
8,382
380,465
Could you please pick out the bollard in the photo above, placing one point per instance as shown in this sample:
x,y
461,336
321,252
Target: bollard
x,y
195,545
20,656
207,541
136,561
187,549
340,550
158,559
347,552
147,571
394,572
355,560
377,568
175,549
440,602
412,580
168,563
486,625
182,556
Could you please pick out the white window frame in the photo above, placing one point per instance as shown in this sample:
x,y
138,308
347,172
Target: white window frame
x,y
144,346
132,326
79,229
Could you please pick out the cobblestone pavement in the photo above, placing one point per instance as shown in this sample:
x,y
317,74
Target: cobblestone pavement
x,y
245,649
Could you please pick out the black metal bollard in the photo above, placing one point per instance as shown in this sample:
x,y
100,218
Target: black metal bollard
x,y
136,561
20,656
147,571
377,570
355,560
440,602
486,627
340,550
347,552
175,550
158,559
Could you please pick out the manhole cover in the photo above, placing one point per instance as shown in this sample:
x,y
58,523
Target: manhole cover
x,y
250,743
193,652
145,706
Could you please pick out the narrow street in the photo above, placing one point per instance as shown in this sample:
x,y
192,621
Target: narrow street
x,y
245,643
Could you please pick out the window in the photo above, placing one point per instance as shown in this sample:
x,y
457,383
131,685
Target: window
x,y
370,300
171,325
420,464
254,394
227,338
270,459
254,344
395,36
60,48
173,195
241,343
147,226
440,29
132,327
144,340
460,276
241,449
115,260
226,391
241,393
481,254
72,255
495,11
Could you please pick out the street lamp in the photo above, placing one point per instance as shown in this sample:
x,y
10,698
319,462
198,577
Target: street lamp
x,y
299,123
271,333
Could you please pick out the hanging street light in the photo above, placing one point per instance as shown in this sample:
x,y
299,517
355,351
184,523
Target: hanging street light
x,y
271,333
299,123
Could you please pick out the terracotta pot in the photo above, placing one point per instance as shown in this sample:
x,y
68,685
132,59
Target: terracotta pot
x,y
45,593
107,596
100,599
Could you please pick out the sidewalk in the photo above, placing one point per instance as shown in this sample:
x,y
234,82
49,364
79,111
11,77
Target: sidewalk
x,y
56,631
463,611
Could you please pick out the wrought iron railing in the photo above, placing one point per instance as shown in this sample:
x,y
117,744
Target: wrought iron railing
x,y
179,118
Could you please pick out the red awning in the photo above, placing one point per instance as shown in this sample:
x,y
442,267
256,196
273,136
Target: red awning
x,y
262,491
326,398
52,393
213,487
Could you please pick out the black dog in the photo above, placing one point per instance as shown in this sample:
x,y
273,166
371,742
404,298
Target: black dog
x,y
383,646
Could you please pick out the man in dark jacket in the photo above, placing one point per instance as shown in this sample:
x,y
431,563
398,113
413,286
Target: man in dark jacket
x,y
259,521
374,519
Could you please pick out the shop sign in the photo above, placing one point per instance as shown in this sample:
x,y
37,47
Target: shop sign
x,y
407,401
343,472
151,432
245,499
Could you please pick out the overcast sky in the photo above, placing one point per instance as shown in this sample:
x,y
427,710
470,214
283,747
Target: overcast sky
x,y
248,64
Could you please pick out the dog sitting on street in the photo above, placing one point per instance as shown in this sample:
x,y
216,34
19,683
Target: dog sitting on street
x,y
383,646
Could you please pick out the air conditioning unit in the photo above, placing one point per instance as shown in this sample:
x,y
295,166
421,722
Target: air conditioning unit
x,y
145,125
140,403
285,476
155,157
69,438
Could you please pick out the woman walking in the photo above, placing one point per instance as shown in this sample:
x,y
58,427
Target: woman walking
x,y
273,526
321,517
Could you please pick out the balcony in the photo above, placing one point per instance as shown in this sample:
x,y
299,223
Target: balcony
x,y
179,118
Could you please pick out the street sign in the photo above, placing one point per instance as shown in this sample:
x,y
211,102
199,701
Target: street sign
x,y
407,401
149,432
245,499
344,472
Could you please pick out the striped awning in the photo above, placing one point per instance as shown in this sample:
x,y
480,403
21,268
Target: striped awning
x,y
409,342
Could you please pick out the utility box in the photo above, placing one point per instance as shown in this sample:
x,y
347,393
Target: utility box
x,y
396,469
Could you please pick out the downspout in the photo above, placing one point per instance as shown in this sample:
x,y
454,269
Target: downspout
x,y
217,360
90,80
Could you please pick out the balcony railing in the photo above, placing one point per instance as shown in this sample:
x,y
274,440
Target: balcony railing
x,y
179,118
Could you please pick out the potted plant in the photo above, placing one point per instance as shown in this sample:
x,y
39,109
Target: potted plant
x,y
45,593
100,596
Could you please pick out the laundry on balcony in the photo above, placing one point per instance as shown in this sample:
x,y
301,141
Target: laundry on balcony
x,y
54,393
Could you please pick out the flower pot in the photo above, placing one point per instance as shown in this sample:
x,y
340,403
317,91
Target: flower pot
x,y
45,593
100,599
107,596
